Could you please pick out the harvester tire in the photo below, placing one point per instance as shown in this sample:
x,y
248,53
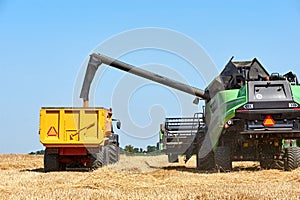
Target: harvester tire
x,y
223,159
291,158
51,162
111,154
297,152
266,163
207,162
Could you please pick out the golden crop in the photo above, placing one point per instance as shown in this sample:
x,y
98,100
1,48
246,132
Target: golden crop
x,y
150,177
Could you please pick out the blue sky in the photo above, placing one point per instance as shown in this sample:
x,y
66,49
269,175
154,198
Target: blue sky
x,y
43,45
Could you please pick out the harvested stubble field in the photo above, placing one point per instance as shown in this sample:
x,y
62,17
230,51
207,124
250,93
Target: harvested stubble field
x,y
149,177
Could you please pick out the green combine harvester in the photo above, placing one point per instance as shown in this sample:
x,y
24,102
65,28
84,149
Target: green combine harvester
x,y
249,115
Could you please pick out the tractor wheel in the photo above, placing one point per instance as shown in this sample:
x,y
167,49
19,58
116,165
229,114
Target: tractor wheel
x,y
207,162
172,158
111,154
108,154
114,139
291,158
51,162
96,160
223,159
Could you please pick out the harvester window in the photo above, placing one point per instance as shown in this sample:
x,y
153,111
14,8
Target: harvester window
x,y
238,81
276,77
253,74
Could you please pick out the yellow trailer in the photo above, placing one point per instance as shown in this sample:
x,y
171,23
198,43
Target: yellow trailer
x,y
77,137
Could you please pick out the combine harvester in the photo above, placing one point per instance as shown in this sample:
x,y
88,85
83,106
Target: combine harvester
x,y
249,115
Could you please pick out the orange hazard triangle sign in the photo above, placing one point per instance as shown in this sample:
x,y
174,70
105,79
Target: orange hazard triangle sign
x,y
52,131
269,121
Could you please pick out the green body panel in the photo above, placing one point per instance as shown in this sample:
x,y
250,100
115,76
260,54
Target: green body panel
x,y
225,103
222,108
296,93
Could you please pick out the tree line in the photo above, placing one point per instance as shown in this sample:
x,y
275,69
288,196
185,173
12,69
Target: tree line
x,y
127,148
132,149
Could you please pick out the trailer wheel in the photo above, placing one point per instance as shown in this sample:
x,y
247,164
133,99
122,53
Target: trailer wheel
x,y
291,158
51,162
223,159
207,162
111,154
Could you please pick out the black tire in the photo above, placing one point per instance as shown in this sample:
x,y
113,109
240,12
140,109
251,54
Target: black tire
x,y
266,160
97,160
291,158
297,154
207,162
223,159
114,139
277,164
51,162
172,158
111,154
266,163
62,166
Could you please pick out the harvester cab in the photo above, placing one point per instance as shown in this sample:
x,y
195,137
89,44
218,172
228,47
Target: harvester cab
x,y
236,74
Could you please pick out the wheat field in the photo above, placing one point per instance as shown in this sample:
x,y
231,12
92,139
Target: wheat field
x,y
143,177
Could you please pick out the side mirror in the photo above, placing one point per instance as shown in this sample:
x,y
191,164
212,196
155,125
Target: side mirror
x,y
118,124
